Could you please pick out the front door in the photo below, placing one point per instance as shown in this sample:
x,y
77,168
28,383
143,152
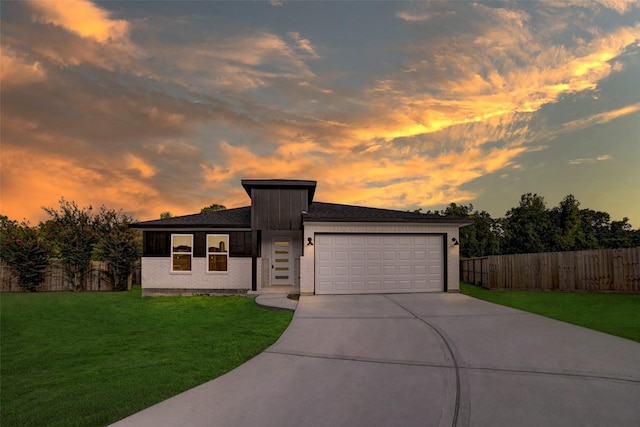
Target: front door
x,y
281,261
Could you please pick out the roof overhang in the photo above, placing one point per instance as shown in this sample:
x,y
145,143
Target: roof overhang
x,y
461,222
250,184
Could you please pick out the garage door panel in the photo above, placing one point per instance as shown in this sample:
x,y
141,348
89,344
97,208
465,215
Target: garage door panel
x,y
389,270
357,271
341,241
419,255
341,271
358,285
420,270
374,255
341,256
374,270
357,255
354,263
324,255
405,270
405,284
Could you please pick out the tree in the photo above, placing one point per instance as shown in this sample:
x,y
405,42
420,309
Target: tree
x,y
566,219
531,227
165,215
620,235
25,251
527,228
213,207
479,238
73,235
117,245
482,236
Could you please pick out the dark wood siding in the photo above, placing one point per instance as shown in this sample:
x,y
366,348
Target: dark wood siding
x,y
158,243
278,208
200,244
240,243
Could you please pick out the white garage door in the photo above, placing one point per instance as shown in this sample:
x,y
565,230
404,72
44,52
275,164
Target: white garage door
x,y
378,263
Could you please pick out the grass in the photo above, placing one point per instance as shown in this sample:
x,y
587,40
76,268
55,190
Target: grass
x,y
615,314
90,359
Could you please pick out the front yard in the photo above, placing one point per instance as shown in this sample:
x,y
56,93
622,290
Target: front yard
x,y
90,359
615,314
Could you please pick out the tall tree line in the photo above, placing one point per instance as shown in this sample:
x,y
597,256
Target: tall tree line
x,y
531,227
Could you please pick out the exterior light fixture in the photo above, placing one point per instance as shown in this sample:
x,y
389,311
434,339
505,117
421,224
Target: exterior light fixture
x,y
309,242
455,241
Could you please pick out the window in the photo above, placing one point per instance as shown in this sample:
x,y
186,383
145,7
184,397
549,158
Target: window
x,y
217,252
181,252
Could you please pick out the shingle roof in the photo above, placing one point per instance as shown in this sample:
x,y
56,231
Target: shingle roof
x,y
317,212
331,212
232,218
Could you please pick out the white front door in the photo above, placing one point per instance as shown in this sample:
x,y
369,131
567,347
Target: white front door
x,y
281,261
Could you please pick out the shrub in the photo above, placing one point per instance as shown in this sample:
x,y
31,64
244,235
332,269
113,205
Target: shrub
x,y
23,249
117,244
72,232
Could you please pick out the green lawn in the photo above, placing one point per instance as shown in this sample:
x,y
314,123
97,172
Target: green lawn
x,y
90,359
616,314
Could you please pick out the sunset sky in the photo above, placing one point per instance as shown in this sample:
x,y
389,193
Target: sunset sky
x,y
165,106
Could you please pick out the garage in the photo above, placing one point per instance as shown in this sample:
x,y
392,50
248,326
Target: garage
x,y
379,263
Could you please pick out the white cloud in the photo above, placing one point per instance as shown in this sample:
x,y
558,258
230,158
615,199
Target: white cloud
x,y
589,161
303,44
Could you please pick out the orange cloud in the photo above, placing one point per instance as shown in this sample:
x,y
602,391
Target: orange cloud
x,y
81,17
16,70
136,163
32,179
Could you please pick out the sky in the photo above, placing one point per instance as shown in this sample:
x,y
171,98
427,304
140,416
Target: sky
x,y
155,106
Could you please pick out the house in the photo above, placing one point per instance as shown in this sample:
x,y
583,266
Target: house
x,y
287,242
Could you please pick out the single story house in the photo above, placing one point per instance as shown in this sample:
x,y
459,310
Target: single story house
x,y
287,242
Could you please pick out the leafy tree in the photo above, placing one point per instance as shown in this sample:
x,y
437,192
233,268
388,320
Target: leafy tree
x,y
117,244
213,207
165,215
566,219
620,235
479,238
73,234
531,227
527,227
482,236
24,250
594,226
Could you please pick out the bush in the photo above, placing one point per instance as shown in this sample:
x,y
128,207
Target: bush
x,y
23,249
72,233
117,244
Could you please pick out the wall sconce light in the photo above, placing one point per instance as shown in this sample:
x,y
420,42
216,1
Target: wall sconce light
x,y
309,242
455,241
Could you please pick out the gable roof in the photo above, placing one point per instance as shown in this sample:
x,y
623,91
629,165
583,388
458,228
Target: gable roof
x,y
317,212
332,212
227,218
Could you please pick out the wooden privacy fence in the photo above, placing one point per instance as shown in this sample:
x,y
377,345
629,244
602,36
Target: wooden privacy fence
x,y
55,280
605,270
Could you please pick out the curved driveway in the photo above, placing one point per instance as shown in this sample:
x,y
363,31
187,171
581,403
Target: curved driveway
x,y
419,360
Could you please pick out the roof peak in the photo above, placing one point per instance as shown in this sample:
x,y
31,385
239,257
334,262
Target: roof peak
x,y
309,185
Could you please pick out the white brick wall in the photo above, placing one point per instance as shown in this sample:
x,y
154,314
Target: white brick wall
x,y
156,274
307,268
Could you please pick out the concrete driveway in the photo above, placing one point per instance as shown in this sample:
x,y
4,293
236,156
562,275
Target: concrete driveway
x,y
419,360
